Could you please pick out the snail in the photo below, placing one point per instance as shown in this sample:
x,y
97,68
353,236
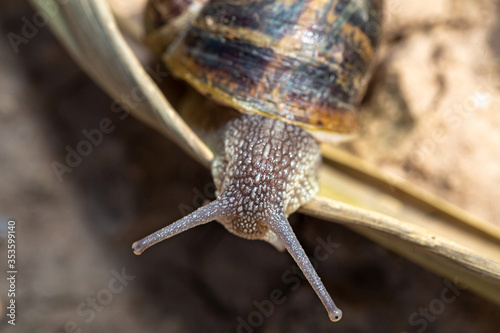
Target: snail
x,y
295,70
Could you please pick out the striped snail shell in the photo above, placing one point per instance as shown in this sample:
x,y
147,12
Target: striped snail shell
x,y
296,70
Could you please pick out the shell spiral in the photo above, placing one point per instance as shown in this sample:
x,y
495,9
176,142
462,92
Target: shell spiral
x,y
302,61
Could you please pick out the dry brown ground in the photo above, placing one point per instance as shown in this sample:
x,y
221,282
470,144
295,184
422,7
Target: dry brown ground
x,y
431,110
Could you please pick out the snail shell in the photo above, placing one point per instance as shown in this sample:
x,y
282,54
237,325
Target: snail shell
x,y
294,68
303,62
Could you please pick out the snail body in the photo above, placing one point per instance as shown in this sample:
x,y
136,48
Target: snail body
x,y
296,70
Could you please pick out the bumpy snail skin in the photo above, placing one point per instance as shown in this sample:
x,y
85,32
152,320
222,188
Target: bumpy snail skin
x,y
266,171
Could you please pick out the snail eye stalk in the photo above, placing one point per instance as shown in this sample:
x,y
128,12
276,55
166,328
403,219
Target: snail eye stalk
x,y
281,227
200,216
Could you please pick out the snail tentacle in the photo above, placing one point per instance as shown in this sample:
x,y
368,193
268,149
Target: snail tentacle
x,y
281,227
200,216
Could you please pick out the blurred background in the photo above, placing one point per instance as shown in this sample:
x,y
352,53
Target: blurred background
x,y
438,72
